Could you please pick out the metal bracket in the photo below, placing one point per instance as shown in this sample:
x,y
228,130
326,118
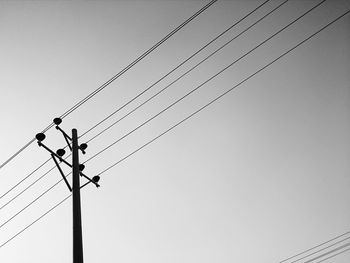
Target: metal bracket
x,y
41,136
63,176
89,180
66,137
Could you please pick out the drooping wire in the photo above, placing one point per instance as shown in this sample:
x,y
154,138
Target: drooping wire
x,y
208,80
328,252
30,174
177,101
92,94
184,74
36,220
120,108
188,117
223,94
319,245
31,203
138,59
183,97
178,66
332,256
319,250
26,189
161,112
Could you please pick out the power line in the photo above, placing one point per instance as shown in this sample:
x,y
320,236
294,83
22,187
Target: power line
x,y
225,31
25,189
317,251
183,97
168,107
178,66
184,74
223,94
319,245
194,113
31,203
17,184
138,59
328,252
36,220
205,82
336,254
92,94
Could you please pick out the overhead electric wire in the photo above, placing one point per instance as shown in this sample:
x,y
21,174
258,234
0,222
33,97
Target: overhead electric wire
x,y
178,66
144,123
209,79
183,97
36,220
31,203
191,115
223,94
92,94
184,74
327,253
317,251
319,245
332,256
21,181
144,91
134,98
138,59
26,189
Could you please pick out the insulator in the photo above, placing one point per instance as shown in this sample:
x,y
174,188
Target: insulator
x,y
60,152
57,121
40,137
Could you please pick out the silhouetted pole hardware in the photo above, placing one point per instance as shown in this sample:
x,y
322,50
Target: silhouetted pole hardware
x,y
73,145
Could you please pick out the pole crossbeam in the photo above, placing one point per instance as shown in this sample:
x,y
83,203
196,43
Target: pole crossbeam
x,y
59,168
75,188
93,180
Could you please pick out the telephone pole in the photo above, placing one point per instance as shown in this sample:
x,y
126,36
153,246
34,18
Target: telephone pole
x,y
77,228
72,143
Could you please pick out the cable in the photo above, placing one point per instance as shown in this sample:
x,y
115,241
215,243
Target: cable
x,y
150,88
33,183
178,66
223,94
319,245
25,189
36,220
189,93
120,108
13,187
28,205
137,60
92,94
317,251
328,252
197,111
11,200
341,252
205,82
181,76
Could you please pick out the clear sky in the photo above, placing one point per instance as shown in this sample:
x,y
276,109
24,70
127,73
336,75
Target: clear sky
x,y
258,176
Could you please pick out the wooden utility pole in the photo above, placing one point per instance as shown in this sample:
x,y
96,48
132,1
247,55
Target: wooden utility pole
x,y
77,228
73,145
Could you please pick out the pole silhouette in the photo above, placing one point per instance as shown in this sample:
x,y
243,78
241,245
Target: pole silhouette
x,y
77,227
73,145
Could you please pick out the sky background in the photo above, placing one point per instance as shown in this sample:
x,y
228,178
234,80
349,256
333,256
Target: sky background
x,y
258,176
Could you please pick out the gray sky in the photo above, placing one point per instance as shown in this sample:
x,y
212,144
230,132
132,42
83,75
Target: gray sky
x,y
258,176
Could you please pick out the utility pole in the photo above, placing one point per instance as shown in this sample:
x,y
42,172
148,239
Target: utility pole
x,y
77,228
72,143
